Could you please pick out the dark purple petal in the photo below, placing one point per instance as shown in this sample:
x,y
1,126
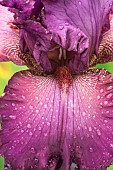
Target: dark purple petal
x,y
77,26
44,127
9,38
38,42
23,9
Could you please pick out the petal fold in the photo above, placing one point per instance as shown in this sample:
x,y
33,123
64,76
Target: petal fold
x,y
65,17
45,127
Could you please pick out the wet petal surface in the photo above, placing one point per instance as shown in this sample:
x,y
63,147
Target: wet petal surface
x,y
9,38
77,26
46,127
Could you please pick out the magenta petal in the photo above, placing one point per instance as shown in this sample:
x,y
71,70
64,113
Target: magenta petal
x,y
9,38
46,128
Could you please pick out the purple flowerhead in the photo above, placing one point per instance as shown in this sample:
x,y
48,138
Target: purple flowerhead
x,y
57,115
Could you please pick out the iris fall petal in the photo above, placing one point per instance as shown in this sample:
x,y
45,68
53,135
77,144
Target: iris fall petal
x,y
45,127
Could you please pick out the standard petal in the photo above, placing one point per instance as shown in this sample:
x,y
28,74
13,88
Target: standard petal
x,y
23,10
37,39
45,127
9,38
78,26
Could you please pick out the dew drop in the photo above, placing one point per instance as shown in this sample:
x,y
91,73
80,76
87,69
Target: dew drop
x,y
61,27
45,134
66,23
23,97
79,3
105,121
30,133
29,126
45,106
91,149
37,111
98,132
105,102
22,131
39,128
109,96
111,145
102,90
32,150
90,129
89,106
13,104
31,107
83,113
109,87
12,116
98,97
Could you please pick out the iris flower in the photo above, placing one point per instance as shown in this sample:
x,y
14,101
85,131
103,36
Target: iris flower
x,y
58,114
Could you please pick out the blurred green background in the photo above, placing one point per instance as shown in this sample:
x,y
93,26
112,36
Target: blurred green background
x,y
8,69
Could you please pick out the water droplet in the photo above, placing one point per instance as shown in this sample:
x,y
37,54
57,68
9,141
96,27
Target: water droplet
x,y
31,107
37,111
83,113
98,132
23,97
109,95
32,150
46,31
91,149
48,123
89,106
22,131
105,121
66,23
98,97
39,128
111,145
36,160
13,104
30,133
12,116
79,3
90,129
101,90
45,134
105,102
109,87
28,125
61,27
45,106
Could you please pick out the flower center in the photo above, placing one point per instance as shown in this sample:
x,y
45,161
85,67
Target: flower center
x,y
60,55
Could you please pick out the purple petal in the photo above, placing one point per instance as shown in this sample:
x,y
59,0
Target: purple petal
x,y
37,39
77,26
9,38
46,128
23,9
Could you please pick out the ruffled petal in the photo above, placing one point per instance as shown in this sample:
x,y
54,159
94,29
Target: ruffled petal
x,y
38,42
105,53
9,38
46,128
78,26
23,9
